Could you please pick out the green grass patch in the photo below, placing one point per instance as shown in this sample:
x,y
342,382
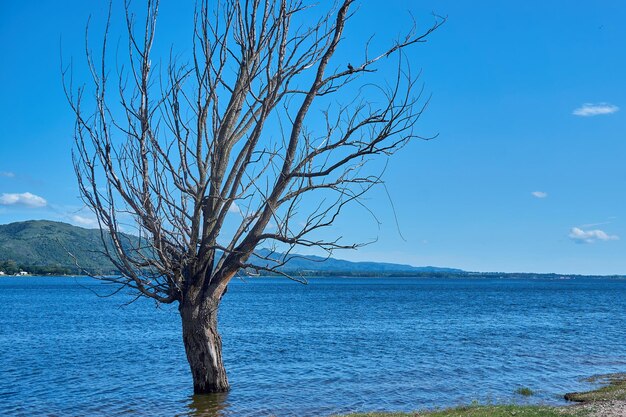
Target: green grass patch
x,y
525,392
614,389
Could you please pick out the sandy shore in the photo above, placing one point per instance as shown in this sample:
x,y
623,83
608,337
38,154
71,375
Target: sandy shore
x,y
614,408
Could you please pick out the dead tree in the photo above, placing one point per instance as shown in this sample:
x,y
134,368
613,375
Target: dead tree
x,y
258,141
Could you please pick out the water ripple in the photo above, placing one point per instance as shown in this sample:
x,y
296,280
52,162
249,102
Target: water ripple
x,y
334,346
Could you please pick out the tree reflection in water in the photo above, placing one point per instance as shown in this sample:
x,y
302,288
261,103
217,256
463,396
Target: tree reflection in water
x,y
208,405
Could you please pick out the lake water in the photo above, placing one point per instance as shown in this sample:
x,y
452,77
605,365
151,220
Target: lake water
x,y
333,346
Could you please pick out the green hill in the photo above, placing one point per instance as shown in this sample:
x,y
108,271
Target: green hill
x,y
40,246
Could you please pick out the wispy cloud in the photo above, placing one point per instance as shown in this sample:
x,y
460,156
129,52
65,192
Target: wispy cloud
x,y
579,235
539,194
588,225
84,221
595,109
24,199
7,174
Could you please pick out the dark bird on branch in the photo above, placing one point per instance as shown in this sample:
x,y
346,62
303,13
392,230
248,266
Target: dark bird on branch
x,y
350,67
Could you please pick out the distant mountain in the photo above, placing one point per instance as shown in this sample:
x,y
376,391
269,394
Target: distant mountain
x,y
42,246
312,264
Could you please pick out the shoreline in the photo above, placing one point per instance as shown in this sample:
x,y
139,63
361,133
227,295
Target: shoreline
x,y
616,408
334,275
608,400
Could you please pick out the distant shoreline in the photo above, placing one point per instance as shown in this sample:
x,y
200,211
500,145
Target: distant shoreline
x,y
358,274
42,247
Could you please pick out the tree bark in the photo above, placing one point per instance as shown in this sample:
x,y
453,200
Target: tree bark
x,y
203,346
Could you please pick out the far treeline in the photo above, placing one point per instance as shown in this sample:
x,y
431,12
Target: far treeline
x,y
10,267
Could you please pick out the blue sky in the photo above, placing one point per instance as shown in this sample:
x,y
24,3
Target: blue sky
x,y
528,99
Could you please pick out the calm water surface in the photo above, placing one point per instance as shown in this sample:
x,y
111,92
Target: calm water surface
x,y
333,346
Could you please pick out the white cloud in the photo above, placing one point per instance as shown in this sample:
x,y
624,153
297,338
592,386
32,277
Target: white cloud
x,y
84,221
579,235
234,208
7,174
24,199
539,194
591,109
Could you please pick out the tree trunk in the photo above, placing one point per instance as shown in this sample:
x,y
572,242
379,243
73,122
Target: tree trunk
x,y
203,346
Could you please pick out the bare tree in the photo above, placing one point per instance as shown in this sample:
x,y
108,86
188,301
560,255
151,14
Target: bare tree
x,y
259,141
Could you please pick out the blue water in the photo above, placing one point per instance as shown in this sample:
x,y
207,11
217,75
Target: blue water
x,y
333,346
